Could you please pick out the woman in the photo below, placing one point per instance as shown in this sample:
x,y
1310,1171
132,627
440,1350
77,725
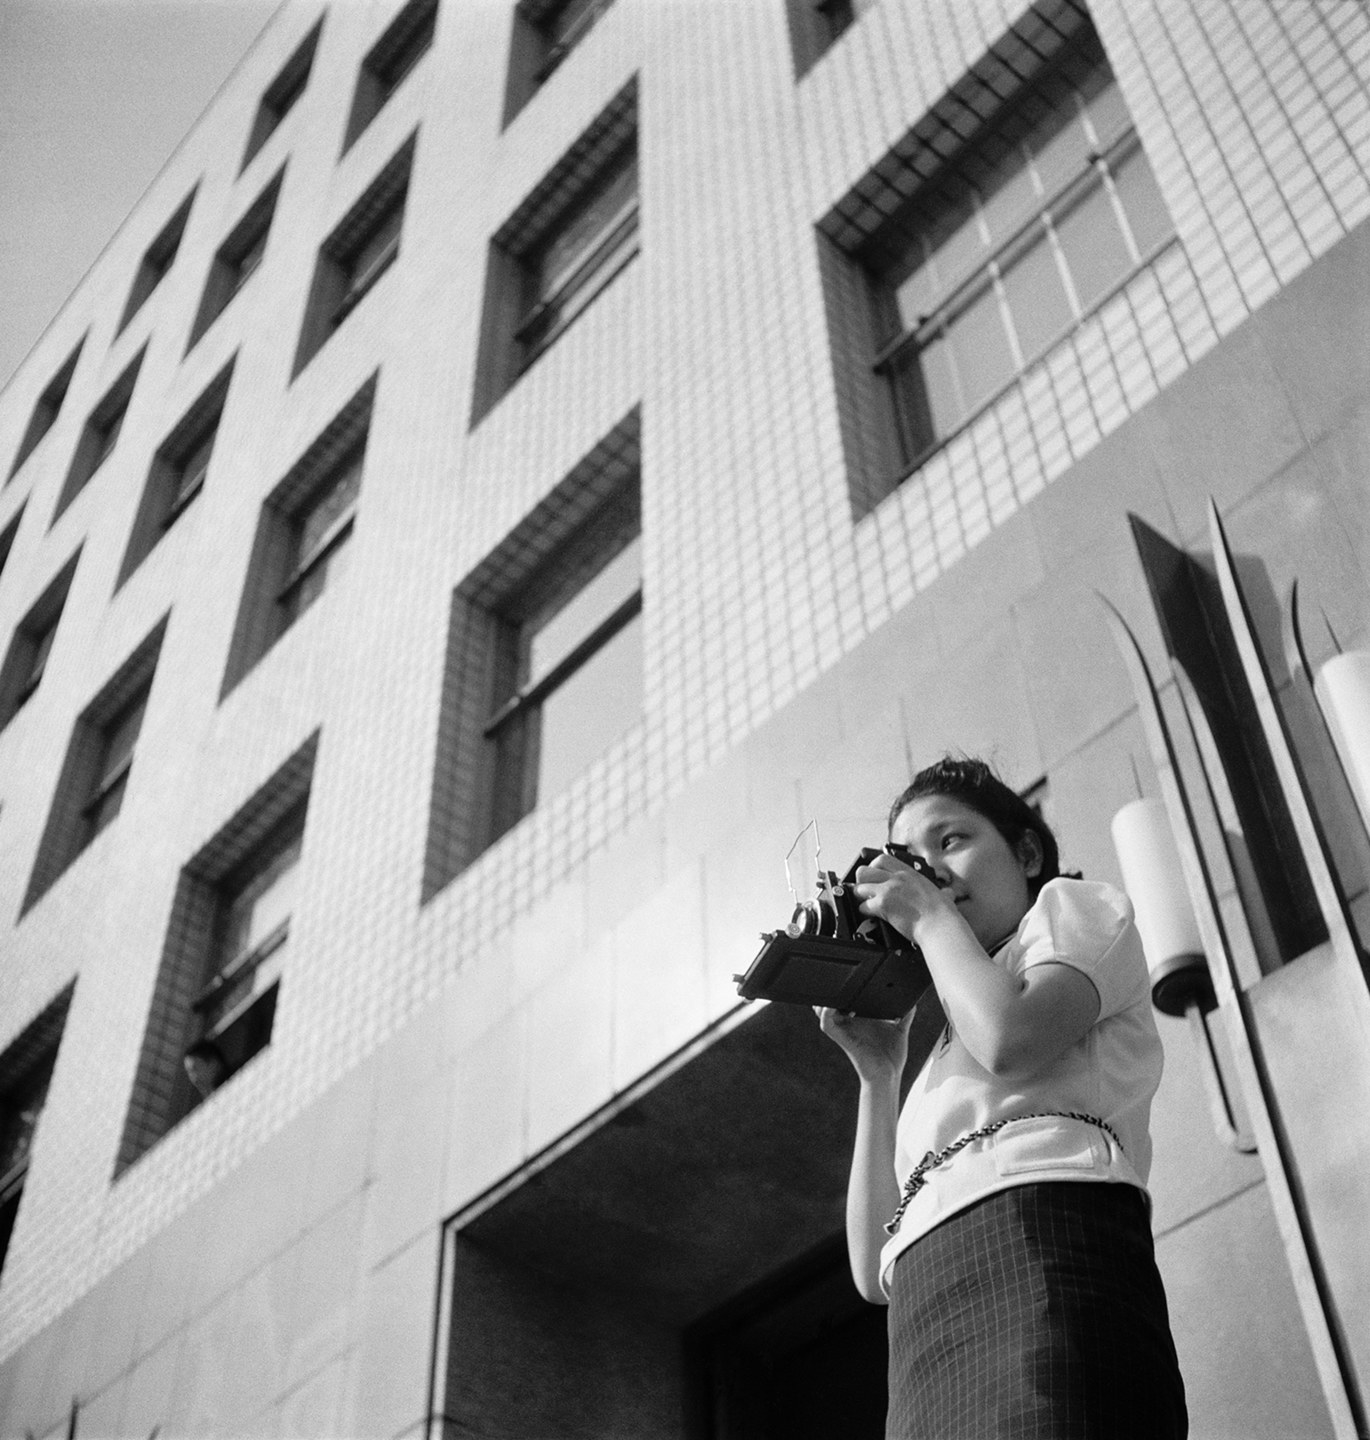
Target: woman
x,y
1003,1214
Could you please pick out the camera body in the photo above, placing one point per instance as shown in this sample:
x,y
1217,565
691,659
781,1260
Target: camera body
x,y
832,954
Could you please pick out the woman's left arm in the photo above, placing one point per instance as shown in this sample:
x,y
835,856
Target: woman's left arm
x,y
1012,1024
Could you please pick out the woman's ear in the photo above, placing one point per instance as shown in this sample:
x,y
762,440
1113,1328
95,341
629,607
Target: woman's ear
x,y
1030,854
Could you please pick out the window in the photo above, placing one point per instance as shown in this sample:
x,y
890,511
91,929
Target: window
x,y
237,259
572,654
157,260
253,903
228,942
545,33
816,24
46,409
99,436
564,270
25,1074
544,659
302,536
355,256
389,61
116,739
31,646
95,776
7,538
178,472
1007,239
282,94
560,249
318,530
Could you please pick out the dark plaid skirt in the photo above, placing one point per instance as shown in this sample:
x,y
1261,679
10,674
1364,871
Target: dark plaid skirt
x,y
1037,1314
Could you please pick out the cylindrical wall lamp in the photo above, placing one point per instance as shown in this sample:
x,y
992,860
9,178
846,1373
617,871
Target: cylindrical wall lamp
x,y
1155,885
1180,980
1343,691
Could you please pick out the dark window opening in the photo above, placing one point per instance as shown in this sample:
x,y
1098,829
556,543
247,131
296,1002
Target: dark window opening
x,y
29,650
228,943
117,737
545,33
318,531
559,251
236,1005
99,436
544,660
7,536
800,1357
25,1076
590,242
99,764
178,472
814,25
355,256
237,259
302,542
157,261
281,95
570,665
389,62
46,409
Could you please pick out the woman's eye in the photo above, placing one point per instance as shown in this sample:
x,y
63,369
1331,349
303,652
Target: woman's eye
x,y
949,840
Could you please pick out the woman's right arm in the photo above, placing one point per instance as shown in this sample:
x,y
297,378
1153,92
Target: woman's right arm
x,y
877,1050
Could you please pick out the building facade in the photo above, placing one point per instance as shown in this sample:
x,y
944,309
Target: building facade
x,y
517,465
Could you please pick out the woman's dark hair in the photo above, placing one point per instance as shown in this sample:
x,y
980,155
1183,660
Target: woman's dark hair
x,y
975,785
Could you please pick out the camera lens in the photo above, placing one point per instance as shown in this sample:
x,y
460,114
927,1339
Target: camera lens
x,y
813,918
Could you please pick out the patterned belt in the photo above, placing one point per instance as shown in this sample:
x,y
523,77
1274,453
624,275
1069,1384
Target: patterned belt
x,y
918,1175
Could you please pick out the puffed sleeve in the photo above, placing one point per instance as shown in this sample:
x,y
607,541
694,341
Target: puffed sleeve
x,y
1087,925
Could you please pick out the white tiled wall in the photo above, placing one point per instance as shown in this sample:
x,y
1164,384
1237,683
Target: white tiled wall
x,y
1257,124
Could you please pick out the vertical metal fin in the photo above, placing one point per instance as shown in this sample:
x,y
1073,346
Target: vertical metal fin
x,y
1307,826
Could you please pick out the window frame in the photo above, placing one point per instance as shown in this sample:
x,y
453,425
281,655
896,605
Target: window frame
x,y
337,289
1003,131
9,534
513,730
520,586
99,436
541,42
106,797
166,494
522,319
281,96
241,254
157,261
87,780
46,409
270,606
293,597
18,680
27,1067
388,64
218,1005
163,1092
549,310
1040,227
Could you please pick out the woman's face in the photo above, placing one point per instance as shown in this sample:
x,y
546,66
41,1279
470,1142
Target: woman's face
x,y
986,878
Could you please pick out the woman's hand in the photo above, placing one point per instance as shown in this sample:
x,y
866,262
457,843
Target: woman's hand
x,y
877,1049
898,894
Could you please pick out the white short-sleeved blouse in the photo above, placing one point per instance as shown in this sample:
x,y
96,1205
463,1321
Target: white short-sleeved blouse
x,y
1111,1073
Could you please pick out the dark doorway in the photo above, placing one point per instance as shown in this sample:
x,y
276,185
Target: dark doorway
x,y
801,1357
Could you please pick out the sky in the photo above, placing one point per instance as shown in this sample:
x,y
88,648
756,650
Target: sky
x,y
95,95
